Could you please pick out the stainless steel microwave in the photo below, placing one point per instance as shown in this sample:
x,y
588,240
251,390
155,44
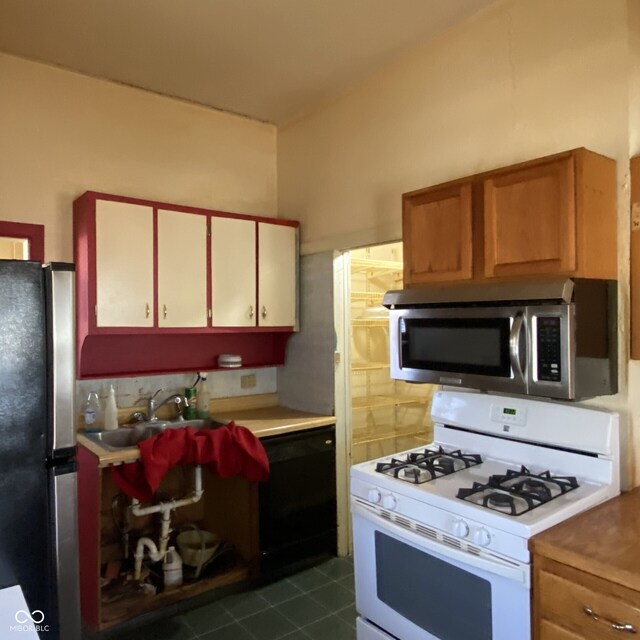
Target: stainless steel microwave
x,y
555,338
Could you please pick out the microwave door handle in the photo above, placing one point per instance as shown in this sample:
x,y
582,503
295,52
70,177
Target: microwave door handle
x,y
514,343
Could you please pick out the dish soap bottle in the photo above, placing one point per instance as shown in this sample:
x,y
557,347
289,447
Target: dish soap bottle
x,y
111,411
190,412
92,413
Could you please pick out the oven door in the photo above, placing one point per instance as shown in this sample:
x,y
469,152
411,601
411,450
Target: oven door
x,y
415,587
484,348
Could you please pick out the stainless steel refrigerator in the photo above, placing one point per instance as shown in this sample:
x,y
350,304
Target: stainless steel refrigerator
x,y
38,513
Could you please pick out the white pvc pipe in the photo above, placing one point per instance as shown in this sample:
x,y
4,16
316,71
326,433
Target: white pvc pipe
x,y
157,553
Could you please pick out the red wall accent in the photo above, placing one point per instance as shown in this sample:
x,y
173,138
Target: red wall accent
x,y
34,233
154,354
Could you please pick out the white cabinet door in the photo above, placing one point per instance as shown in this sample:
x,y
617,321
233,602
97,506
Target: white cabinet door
x,y
277,262
233,272
124,264
182,269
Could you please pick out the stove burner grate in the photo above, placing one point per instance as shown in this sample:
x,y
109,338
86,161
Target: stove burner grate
x,y
421,466
518,492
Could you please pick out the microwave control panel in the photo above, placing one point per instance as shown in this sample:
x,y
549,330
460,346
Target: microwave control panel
x,y
549,348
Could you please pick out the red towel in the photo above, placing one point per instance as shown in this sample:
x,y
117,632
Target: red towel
x,y
229,450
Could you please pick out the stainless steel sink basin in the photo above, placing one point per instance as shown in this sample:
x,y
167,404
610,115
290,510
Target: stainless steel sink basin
x,y
126,437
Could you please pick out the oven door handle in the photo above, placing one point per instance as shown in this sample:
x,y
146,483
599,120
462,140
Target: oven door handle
x,y
514,344
510,570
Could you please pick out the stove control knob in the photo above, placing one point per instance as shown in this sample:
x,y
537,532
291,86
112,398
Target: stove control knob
x,y
460,529
374,496
389,502
482,537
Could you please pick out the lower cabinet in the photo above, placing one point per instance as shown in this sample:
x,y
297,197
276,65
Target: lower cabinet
x,y
570,604
108,535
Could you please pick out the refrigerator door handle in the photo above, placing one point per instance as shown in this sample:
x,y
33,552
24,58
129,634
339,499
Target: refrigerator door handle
x,y
65,540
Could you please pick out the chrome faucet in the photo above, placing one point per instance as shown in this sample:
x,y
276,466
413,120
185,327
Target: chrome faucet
x,y
179,400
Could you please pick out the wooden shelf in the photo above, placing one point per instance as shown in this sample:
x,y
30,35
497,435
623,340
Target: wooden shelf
x,y
362,367
119,611
363,265
370,322
367,296
392,435
374,402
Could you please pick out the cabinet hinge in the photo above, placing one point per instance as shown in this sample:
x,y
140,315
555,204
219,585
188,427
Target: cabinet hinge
x,y
209,313
95,311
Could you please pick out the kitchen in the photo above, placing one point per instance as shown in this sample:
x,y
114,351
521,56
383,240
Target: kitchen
x,y
518,81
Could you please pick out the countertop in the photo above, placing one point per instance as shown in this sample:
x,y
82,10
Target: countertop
x,y
261,421
604,541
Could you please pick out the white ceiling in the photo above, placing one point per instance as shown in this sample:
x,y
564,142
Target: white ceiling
x,y
267,59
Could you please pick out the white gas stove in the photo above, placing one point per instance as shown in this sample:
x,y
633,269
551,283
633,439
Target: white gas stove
x,y
459,513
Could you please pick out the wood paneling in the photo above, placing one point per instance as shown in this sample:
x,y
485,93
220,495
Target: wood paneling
x,y
635,258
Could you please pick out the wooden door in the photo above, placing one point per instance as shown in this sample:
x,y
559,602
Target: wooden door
x,y
124,264
437,234
233,272
530,220
277,275
182,269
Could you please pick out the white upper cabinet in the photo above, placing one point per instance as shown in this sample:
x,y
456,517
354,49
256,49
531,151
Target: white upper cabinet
x,y
182,269
233,272
124,264
277,262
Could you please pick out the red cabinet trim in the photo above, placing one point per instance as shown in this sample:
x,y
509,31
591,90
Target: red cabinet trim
x,y
34,233
130,351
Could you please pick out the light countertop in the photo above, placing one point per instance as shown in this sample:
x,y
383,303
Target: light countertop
x,y
263,422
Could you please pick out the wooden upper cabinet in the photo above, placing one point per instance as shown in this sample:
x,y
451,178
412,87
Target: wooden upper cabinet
x,y
551,216
124,264
530,220
635,258
437,234
182,269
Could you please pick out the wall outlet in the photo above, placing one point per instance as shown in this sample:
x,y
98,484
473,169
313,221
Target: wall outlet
x,y
248,381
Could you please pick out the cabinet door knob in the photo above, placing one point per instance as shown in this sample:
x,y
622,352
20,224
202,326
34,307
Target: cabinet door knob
x,y
164,311
613,625
251,314
264,312
147,310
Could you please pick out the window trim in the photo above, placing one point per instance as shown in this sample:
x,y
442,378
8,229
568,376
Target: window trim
x,y
34,233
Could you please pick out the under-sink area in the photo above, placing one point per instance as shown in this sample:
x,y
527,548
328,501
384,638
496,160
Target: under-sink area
x,y
126,437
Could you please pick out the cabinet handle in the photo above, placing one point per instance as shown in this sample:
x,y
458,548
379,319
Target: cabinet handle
x,y
615,626
147,310
263,313
251,314
164,311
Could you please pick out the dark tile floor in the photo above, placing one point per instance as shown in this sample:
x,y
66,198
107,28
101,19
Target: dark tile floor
x,y
317,604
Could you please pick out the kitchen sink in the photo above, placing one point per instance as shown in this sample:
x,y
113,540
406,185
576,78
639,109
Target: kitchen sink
x,y
126,437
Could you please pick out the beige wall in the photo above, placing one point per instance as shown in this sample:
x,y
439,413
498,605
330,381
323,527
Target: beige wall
x,y
522,79
62,134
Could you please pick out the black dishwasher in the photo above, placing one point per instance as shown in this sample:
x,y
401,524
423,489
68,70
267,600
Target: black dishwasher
x,y
298,521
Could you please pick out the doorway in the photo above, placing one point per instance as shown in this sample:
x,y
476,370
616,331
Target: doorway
x,y
382,416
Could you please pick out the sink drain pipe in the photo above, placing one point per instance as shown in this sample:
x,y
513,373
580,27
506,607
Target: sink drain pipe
x,y
156,553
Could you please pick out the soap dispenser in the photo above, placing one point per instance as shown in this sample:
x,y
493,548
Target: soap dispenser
x,y
111,411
